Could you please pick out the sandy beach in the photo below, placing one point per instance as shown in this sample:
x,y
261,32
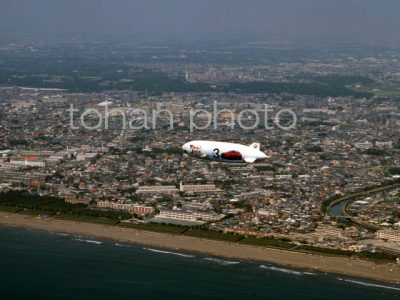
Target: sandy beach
x,y
388,272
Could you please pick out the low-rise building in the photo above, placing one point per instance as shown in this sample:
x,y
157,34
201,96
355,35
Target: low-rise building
x,y
132,208
388,235
189,216
197,188
157,189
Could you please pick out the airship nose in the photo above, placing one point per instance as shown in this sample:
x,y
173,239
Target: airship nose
x,y
185,148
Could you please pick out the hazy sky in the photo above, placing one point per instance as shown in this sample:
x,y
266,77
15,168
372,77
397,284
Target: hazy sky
x,y
199,19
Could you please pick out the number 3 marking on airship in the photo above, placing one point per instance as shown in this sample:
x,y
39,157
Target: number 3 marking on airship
x,y
216,153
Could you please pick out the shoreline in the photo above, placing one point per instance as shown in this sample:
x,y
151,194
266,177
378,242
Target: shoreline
x,y
384,272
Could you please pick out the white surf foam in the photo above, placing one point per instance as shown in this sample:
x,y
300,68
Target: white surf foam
x,y
221,261
309,273
168,252
369,284
283,270
89,241
61,234
122,245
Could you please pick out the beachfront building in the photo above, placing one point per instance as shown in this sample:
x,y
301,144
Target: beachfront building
x,y
132,208
388,235
189,216
327,232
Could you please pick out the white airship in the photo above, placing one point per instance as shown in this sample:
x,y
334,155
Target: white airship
x,y
224,152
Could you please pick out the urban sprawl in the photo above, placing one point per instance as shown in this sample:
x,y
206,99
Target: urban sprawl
x,y
341,145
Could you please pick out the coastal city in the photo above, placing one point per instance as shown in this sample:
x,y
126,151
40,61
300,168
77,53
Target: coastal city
x,y
213,149
115,144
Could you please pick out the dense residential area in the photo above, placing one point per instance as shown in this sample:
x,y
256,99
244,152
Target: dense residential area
x,y
110,148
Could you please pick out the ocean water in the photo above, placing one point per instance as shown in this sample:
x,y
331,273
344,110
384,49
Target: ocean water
x,y
41,265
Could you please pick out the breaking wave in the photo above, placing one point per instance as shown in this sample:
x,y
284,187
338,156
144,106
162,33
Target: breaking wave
x,y
89,241
287,271
369,284
168,252
309,273
122,245
61,234
221,261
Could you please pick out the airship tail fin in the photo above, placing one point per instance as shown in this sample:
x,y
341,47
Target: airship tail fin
x,y
255,146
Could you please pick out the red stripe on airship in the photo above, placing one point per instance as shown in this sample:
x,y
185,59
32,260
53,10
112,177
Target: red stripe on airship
x,y
231,155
